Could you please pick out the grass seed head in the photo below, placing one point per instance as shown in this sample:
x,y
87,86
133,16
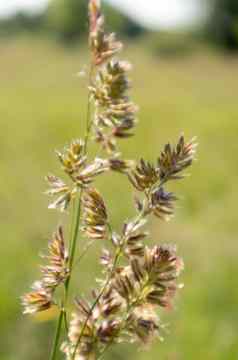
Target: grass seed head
x,y
174,160
103,46
39,299
57,271
94,215
73,158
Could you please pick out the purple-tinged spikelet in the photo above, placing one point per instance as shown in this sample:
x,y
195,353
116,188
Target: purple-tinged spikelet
x,y
57,271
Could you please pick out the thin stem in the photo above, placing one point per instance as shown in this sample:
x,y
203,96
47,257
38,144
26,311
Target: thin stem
x,y
78,213
73,238
57,335
104,350
75,232
83,253
88,122
72,224
66,322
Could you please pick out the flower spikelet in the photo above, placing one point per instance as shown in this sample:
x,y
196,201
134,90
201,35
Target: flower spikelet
x,y
108,330
111,85
133,236
150,279
58,269
163,268
110,304
144,176
102,327
73,158
162,203
120,165
103,46
94,215
143,324
63,193
124,284
115,113
87,175
39,299
173,160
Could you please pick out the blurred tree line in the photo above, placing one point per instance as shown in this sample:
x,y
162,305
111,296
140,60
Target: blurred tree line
x,y
66,20
222,27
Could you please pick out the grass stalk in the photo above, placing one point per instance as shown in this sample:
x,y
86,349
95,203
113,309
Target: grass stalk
x,y
57,335
74,235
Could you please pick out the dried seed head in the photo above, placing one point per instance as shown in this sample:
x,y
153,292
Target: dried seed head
x,y
115,113
54,273
131,228
134,244
122,130
106,259
86,349
63,193
103,46
111,305
137,270
120,165
124,285
111,87
58,269
163,267
139,204
116,116
162,203
173,160
94,215
39,299
151,278
94,14
143,324
87,175
133,236
73,158
107,141
95,326
144,176
108,331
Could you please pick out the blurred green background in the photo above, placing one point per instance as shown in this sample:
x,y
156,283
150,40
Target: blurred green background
x,y
183,82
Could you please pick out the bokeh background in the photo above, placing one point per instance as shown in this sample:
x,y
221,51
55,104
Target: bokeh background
x,y
185,79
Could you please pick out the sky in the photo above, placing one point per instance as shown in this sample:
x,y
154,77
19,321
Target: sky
x,y
151,13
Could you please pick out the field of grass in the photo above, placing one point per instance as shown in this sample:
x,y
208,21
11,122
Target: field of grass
x,y
42,107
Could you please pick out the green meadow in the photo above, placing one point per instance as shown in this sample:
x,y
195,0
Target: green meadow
x,y
42,107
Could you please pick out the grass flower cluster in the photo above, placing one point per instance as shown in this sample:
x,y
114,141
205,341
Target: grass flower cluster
x,y
137,280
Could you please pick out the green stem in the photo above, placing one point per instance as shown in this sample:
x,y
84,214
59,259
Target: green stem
x,y
66,322
73,236
75,232
57,335
83,253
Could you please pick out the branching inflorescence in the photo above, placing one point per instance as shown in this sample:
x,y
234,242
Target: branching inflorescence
x,y
137,279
